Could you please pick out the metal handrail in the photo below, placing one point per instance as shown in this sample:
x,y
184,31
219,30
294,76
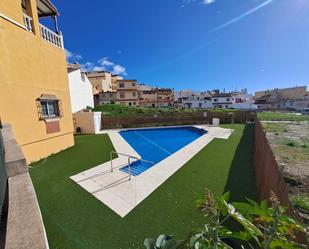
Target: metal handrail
x,y
129,160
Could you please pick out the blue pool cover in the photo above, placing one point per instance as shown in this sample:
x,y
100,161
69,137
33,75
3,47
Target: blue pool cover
x,y
156,144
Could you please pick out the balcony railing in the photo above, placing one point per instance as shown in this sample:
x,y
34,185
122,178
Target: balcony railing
x,y
46,33
27,22
51,36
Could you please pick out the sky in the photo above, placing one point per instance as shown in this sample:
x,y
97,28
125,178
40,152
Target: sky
x,y
191,44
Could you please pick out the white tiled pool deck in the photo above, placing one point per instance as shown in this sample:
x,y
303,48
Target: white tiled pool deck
x,y
122,195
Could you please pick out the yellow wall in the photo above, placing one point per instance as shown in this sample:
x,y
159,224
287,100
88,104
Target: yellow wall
x,y
29,67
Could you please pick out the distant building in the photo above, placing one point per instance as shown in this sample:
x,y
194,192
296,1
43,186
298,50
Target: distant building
x,y
197,101
184,93
101,80
107,98
127,92
215,99
243,101
165,97
155,97
81,93
222,100
294,98
148,98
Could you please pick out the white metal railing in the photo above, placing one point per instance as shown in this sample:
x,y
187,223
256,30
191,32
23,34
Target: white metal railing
x,y
122,154
129,160
27,22
51,36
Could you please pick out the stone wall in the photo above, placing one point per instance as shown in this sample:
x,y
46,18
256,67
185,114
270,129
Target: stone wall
x,y
24,226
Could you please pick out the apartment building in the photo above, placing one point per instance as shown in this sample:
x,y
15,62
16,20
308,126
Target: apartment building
x,y
293,98
34,89
127,92
165,97
197,101
222,100
155,97
101,80
243,101
107,97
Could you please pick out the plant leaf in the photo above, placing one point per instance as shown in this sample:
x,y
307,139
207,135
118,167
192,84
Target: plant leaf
x,y
149,243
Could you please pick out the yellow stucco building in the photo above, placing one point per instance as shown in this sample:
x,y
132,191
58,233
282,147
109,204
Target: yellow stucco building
x,y
34,90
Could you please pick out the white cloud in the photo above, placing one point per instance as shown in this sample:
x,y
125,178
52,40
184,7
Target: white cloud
x,y
120,70
106,62
72,57
203,2
206,2
88,66
98,68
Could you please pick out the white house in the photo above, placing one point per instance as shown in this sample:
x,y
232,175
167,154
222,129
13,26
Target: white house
x,y
222,100
197,101
80,89
243,101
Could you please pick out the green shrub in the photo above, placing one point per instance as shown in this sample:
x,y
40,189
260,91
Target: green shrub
x,y
262,226
291,144
301,202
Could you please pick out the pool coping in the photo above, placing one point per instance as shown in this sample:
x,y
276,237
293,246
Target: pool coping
x,y
122,195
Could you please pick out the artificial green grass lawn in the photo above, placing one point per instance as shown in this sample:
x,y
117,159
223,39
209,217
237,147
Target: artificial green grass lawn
x,y
76,220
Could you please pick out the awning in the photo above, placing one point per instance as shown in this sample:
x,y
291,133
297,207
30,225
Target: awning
x,y
48,97
46,8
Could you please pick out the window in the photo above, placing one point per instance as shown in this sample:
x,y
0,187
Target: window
x,y
122,95
133,84
83,77
134,94
226,106
227,99
49,108
200,104
121,85
215,100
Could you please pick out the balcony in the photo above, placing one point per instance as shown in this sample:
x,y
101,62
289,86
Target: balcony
x,y
47,34
27,22
45,9
51,36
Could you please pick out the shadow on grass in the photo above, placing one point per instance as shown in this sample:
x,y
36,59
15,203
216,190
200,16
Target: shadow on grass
x,y
241,178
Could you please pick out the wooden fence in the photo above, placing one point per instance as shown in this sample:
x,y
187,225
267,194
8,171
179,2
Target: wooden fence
x,y
166,119
268,175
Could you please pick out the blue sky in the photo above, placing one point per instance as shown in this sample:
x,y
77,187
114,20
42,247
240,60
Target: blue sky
x,y
192,44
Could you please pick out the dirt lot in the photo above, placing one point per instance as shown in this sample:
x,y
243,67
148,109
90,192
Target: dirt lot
x,y
290,143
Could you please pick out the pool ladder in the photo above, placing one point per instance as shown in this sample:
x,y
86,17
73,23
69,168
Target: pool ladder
x,y
130,157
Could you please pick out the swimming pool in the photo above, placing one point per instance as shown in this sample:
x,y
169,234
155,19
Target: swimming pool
x,y
156,144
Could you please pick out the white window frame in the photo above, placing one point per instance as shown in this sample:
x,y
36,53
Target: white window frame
x,y
51,110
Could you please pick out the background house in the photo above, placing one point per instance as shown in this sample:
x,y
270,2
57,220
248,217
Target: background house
x,y
80,89
127,92
293,98
222,100
34,89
